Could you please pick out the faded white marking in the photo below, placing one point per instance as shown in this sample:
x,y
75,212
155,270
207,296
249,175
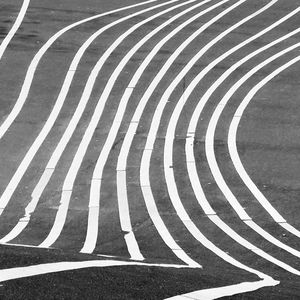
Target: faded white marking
x,y
48,268
223,291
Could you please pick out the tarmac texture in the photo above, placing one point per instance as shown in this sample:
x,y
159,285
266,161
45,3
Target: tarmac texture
x,y
149,149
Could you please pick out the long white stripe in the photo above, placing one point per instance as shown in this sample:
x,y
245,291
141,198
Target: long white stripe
x,y
121,172
76,162
229,290
209,147
15,27
48,268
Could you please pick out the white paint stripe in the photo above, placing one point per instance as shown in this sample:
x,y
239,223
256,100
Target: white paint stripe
x,y
34,63
213,162
71,175
14,28
123,201
90,241
133,247
11,187
48,268
230,290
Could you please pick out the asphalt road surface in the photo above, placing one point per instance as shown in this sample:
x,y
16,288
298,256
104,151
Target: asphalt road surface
x,y
149,150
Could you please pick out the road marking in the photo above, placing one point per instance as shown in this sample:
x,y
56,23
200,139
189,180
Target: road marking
x,y
48,268
14,28
230,290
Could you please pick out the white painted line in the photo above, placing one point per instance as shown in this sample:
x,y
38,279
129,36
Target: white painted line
x,y
14,28
59,220
48,268
93,215
225,291
123,202
122,158
269,237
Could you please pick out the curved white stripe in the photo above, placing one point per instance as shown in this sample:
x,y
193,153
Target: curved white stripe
x,y
48,268
76,162
209,147
225,291
34,63
15,27
121,171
